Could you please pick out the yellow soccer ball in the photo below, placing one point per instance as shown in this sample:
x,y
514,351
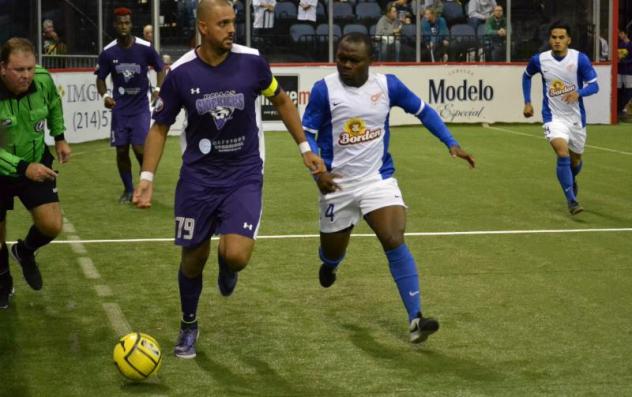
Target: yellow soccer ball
x,y
623,52
137,356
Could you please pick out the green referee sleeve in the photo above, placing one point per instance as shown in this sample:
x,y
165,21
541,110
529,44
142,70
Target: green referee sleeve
x,y
10,164
55,120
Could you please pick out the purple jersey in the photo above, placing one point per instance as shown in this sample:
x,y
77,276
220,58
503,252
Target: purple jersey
x,y
128,67
223,138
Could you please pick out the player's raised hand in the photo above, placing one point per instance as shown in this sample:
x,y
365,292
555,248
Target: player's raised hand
x,y
326,183
314,163
528,110
142,194
456,151
39,173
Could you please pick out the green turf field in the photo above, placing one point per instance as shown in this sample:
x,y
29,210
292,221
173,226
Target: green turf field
x,y
521,314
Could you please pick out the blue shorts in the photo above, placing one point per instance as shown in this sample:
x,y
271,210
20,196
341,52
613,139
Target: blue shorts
x,y
201,212
129,129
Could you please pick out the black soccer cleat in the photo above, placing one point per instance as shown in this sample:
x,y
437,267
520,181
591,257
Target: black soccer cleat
x,y
421,328
30,270
6,290
327,275
574,208
126,197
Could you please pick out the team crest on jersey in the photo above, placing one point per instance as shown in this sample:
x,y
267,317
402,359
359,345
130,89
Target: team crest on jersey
x,y
220,105
355,131
127,70
558,87
39,126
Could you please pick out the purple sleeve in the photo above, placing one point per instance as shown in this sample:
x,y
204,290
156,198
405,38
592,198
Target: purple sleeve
x,y
265,74
103,66
169,102
154,59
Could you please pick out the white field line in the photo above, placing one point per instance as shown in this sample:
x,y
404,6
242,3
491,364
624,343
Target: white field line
x,y
117,319
411,234
103,291
540,137
89,270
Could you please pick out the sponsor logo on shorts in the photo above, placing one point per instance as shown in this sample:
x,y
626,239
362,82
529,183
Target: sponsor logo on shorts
x,y
355,131
248,226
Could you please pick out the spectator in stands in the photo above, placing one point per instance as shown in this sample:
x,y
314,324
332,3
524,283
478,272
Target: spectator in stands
x,y
435,35
436,5
624,83
148,33
263,23
496,34
307,11
387,30
479,11
52,44
167,61
404,12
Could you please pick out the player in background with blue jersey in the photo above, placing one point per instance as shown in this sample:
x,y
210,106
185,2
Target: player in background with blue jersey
x,y
126,60
346,121
221,179
567,77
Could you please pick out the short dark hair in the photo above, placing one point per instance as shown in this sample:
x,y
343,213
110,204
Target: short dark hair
x,y
357,37
560,25
15,44
389,5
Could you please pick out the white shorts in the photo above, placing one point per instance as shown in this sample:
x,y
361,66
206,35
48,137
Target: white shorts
x,y
573,133
624,80
343,208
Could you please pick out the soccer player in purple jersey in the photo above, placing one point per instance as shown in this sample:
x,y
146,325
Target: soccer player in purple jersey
x,y
220,185
126,59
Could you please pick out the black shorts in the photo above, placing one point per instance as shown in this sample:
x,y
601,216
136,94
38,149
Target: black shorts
x,y
32,194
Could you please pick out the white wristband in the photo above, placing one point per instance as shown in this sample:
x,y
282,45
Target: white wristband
x,y
106,95
147,176
156,89
304,147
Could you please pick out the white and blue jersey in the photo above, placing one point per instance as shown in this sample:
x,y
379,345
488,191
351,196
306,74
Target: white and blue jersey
x,y
352,125
559,77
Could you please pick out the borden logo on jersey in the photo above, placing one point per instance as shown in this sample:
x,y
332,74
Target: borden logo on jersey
x,y
355,131
558,87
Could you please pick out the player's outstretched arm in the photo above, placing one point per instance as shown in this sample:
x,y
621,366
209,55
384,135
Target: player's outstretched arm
x,y
292,121
154,147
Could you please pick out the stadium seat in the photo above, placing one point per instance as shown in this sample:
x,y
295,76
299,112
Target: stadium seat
x,y
355,27
322,31
453,13
368,13
463,42
285,10
302,32
372,30
343,12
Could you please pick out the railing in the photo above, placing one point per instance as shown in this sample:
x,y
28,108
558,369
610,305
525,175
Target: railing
x,y
69,61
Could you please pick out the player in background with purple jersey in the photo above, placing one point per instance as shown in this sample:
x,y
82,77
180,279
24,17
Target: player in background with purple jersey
x,y
220,185
127,59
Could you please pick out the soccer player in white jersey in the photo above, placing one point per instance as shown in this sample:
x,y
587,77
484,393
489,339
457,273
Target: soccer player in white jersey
x,y
567,77
346,121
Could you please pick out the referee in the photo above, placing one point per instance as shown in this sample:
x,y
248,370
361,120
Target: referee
x,y
28,101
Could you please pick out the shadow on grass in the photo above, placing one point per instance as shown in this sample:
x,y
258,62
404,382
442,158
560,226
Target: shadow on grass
x,y
419,359
265,382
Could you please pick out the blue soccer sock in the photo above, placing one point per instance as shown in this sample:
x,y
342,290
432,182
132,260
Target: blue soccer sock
x,y
190,291
126,177
332,263
565,177
404,272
